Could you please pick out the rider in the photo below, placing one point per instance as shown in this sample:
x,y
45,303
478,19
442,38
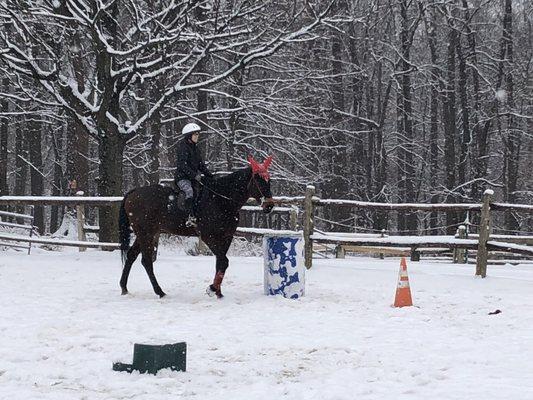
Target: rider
x,y
190,166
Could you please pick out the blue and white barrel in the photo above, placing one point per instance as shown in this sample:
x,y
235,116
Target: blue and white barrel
x,y
284,265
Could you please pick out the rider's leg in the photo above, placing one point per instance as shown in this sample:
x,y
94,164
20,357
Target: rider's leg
x,y
186,187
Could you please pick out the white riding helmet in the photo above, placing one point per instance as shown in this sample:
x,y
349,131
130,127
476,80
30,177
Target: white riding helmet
x,y
190,128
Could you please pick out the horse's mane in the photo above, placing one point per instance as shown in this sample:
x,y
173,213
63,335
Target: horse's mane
x,y
230,182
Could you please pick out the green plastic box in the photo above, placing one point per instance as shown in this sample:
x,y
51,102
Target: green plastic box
x,y
151,358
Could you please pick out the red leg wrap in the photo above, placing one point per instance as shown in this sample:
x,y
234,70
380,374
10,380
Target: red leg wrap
x,y
217,282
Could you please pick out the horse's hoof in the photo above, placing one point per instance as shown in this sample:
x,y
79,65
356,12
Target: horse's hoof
x,y
162,294
210,292
124,292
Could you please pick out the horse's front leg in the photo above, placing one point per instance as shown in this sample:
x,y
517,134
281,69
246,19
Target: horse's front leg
x,y
216,287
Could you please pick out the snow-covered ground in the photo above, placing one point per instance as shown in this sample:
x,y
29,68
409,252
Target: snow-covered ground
x,y
63,323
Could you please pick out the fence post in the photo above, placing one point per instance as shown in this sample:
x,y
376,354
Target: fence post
x,y
459,253
381,255
32,213
80,216
484,234
340,252
293,218
308,225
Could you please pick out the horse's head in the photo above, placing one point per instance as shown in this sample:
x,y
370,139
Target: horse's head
x,y
260,183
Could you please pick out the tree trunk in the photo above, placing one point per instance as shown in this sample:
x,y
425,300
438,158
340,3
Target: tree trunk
x,y
21,167
465,137
77,137
155,140
479,154
110,150
382,219
411,221
431,30
4,123
56,212
337,185
402,223
449,116
77,153
512,153
235,120
36,168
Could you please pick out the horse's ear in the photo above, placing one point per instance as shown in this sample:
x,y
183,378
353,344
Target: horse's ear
x,y
267,162
254,164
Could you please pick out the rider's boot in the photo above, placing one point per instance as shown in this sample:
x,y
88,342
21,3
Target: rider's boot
x,y
191,219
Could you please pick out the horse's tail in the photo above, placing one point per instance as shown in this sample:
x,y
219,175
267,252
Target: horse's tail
x,y
124,230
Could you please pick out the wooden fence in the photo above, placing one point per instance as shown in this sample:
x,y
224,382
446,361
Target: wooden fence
x,y
20,226
79,203
482,243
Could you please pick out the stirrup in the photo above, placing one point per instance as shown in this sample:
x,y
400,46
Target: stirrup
x,y
191,221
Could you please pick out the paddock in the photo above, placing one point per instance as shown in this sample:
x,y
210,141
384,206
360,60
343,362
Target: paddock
x,y
64,323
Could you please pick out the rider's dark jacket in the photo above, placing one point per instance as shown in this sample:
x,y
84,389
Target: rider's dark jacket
x,y
189,161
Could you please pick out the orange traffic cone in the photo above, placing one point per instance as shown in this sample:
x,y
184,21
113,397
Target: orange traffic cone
x,y
403,292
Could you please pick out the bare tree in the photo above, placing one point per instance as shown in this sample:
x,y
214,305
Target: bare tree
x,y
130,44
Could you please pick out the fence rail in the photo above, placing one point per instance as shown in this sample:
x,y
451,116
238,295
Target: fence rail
x,y
60,201
397,206
58,242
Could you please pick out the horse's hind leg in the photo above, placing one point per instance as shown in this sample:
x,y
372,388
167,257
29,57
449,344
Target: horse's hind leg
x,y
156,247
131,256
147,262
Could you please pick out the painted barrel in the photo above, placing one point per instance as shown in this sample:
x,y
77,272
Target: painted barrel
x,y
284,265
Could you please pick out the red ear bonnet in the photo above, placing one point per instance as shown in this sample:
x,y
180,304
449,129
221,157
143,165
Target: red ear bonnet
x,y
260,169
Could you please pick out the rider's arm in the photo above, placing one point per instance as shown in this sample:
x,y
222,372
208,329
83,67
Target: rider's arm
x,y
203,169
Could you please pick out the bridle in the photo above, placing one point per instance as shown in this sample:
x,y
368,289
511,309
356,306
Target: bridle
x,y
252,178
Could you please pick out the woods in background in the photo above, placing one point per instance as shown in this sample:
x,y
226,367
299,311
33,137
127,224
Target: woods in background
x,y
390,101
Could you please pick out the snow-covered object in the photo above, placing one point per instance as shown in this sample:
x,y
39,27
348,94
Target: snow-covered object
x,y
284,266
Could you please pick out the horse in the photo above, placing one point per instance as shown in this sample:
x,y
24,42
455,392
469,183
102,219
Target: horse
x,y
151,210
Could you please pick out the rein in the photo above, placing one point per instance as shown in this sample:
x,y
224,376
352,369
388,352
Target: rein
x,y
252,178
216,193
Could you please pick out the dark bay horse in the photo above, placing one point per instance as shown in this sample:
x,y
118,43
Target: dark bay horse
x,y
151,210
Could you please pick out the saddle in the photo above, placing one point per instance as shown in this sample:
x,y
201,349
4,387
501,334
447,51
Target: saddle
x,y
178,201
